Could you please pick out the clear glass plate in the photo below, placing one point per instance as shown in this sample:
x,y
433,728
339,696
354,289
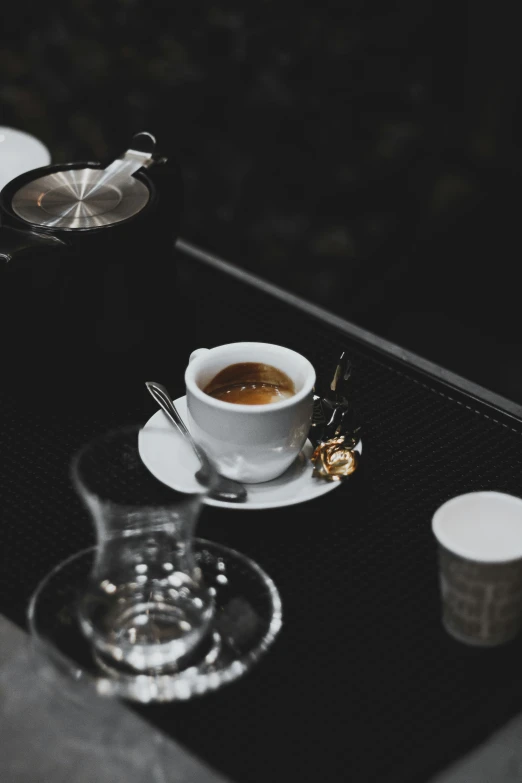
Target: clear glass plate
x,y
247,619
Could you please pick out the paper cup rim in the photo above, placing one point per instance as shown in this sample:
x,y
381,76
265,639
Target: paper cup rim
x,y
468,553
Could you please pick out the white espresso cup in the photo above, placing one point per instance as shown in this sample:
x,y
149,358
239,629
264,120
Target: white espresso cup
x,y
250,443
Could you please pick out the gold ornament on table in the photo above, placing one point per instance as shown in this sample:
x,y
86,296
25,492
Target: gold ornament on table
x,y
334,459
336,427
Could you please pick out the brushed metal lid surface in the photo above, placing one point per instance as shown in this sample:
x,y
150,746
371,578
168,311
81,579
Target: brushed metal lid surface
x,y
80,198
88,197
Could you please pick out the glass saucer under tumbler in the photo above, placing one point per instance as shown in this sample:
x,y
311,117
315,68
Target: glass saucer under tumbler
x,y
150,613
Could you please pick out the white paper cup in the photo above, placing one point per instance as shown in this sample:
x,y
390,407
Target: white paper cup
x,y
480,559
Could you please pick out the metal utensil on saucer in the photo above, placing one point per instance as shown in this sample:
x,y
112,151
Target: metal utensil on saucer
x,y
219,487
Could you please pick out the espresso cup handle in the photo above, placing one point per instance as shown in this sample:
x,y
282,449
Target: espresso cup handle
x,y
197,352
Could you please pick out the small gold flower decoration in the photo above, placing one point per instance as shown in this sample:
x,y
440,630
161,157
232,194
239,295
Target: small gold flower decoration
x,y
334,460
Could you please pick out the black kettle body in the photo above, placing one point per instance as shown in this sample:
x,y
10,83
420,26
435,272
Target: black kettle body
x,y
88,272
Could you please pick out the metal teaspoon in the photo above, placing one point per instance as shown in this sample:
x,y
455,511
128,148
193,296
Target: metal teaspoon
x,y
219,487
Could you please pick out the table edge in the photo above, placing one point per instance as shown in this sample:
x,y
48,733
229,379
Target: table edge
x,y
358,333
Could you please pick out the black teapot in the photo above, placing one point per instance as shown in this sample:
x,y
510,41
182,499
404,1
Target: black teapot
x,y
87,264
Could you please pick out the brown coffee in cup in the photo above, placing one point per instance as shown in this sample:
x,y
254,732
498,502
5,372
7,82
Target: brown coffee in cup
x,y
250,383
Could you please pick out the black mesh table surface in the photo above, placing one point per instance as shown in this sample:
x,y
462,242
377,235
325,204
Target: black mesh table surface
x,y
363,684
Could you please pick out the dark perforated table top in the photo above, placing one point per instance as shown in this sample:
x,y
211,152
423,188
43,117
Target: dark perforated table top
x,y
363,684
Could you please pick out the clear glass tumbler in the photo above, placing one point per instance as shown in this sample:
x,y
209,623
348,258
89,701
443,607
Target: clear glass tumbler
x,y
146,606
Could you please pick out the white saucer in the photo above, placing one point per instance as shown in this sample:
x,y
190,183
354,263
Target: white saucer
x,y
171,460
20,152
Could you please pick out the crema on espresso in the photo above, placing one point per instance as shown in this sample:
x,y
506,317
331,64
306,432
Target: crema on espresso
x,y
250,383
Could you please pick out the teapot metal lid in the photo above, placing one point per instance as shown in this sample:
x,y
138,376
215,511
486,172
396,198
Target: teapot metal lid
x,y
88,197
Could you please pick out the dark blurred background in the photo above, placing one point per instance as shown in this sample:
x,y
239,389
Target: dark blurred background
x,y
365,155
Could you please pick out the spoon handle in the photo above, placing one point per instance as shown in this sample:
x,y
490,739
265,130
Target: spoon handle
x,y
161,395
220,487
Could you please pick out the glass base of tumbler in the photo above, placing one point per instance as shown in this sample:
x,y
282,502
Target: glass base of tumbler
x,y
246,621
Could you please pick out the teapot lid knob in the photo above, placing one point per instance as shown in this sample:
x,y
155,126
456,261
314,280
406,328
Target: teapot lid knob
x,y
143,142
